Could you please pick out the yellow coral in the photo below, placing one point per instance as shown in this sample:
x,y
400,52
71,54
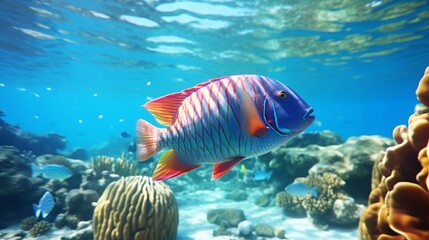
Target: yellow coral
x,y
136,208
398,206
121,166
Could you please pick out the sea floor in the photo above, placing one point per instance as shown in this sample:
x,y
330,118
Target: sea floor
x,y
193,224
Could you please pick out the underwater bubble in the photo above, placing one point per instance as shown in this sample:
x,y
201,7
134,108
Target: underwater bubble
x,y
48,89
80,121
95,94
2,85
36,117
148,83
100,116
149,98
121,120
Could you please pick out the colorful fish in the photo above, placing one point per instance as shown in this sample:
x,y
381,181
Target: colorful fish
x,y
243,169
51,171
46,204
299,189
260,175
221,122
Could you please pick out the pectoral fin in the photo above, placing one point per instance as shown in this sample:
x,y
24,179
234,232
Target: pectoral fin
x,y
253,123
170,166
220,169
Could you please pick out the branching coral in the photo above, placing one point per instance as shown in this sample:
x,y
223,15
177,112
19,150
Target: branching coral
x,y
121,166
330,190
28,223
40,228
399,204
290,204
136,208
320,209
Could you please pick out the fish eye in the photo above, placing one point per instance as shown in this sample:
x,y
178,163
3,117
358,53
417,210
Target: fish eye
x,y
281,94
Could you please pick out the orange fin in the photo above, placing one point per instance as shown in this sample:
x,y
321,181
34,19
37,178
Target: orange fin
x,y
170,166
253,123
164,109
220,169
147,139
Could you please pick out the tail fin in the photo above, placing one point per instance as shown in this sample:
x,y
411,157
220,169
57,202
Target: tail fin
x,y
35,170
315,191
147,140
36,209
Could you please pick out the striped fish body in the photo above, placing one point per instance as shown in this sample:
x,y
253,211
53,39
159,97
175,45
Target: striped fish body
x,y
220,122
51,171
45,206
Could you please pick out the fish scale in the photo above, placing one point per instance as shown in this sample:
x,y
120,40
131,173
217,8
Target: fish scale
x,y
194,110
221,122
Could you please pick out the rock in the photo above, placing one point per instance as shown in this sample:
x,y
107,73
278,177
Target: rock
x,y
79,203
78,153
237,195
30,142
264,230
231,216
82,234
83,224
347,212
245,227
280,233
60,220
324,138
222,230
263,201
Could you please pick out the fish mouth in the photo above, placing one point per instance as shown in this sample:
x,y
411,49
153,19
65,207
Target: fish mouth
x,y
307,116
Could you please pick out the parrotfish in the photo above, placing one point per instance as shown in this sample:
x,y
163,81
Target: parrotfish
x,y
51,171
299,189
46,204
221,122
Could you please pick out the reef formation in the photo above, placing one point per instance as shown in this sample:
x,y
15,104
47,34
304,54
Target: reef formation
x,y
399,201
136,208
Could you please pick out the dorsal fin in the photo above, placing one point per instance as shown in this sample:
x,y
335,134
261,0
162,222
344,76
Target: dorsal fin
x,y
164,109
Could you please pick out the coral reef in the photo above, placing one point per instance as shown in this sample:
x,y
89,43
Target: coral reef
x,y
351,160
34,143
40,228
331,208
399,203
291,205
121,166
28,223
17,189
136,208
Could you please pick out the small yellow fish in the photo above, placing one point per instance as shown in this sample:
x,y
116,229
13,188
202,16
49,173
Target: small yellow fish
x,y
243,169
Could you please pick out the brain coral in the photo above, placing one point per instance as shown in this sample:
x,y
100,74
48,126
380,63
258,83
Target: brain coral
x,y
136,208
399,204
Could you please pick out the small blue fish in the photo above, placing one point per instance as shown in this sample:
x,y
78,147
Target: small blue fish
x,y
46,204
51,171
302,190
262,175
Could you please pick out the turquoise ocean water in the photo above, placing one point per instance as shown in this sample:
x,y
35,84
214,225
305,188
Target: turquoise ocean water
x,y
84,68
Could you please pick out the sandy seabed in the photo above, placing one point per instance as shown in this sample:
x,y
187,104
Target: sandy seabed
x,y
193,224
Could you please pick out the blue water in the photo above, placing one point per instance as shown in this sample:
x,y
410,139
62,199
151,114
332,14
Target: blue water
x,y
84,68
